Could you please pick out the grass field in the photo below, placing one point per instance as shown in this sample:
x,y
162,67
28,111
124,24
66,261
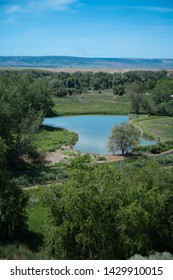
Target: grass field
x,y
37,213
156,127
51,139
92,102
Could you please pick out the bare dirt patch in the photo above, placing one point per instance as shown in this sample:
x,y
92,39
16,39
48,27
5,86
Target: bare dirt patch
x,y
112,158
55,157
61,155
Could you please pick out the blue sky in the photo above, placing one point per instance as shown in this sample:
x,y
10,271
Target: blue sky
x,y
110,28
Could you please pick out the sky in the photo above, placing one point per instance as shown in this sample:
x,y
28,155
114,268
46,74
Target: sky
x,y
87,28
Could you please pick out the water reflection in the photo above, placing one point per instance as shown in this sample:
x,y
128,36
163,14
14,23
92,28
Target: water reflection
x,y
93,131
92,144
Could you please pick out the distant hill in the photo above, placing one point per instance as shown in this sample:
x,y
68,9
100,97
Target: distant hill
x,y
81,62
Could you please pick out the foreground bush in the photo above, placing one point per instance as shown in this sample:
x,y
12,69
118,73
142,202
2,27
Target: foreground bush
x,y
103,212
155,149
21,252
13,204
155,256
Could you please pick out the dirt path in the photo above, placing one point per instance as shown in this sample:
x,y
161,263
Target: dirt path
x,y
59,155
138,127
111,158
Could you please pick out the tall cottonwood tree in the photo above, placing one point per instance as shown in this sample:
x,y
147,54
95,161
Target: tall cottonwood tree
x,y
123,138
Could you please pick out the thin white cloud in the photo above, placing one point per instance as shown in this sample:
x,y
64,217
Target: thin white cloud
x,y
12,9
148,8
60,4
40,5
57,5
10,20
157,9
160,9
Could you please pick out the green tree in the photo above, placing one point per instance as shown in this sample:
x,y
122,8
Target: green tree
x,y
123,138
96,84
134,91
119,90
108,212
3,151
24,102
13,215
138,99
162,91
83,224
154,256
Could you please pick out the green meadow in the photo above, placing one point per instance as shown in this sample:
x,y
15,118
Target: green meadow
x,y
51,139
156,127
92,102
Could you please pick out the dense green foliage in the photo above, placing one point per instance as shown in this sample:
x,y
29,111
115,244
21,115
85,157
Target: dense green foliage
x,y
155,148
155,256
24,101
13,204
163,98
103,212
20,252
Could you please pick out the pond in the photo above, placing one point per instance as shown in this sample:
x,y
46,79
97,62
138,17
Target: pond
x,y
92,130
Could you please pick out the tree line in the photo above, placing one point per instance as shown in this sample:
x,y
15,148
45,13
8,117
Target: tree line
x,y
149,92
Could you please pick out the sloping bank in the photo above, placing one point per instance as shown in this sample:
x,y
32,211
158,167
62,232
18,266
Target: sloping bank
x,y
157,128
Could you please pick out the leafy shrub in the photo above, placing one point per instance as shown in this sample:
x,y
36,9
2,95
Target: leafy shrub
x,y
13,203
129,208
101,158
165,160
21,252
33,201
155,256
155,149
147,136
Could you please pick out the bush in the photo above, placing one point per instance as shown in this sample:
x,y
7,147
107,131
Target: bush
x,y
13,203
165,160
21,252
155,256
155,149
101,158
129,208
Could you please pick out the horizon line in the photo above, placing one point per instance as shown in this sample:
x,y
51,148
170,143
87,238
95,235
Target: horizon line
x,y
88,57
